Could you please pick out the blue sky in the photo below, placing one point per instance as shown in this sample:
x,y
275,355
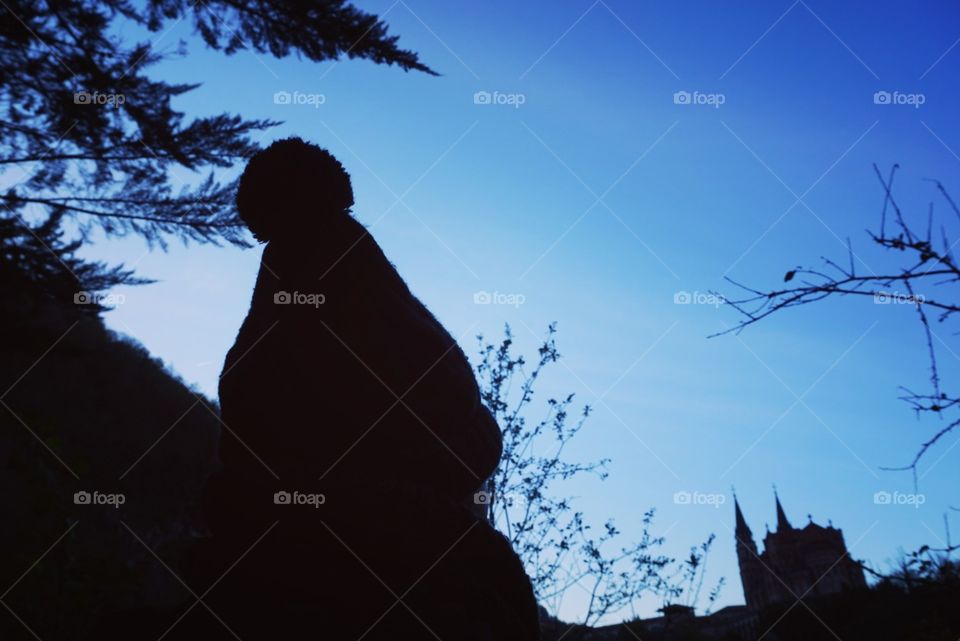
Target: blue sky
x,y
599,199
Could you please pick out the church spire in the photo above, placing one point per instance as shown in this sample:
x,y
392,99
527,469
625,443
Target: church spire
x,y
782,522
751,568
742,532
742,529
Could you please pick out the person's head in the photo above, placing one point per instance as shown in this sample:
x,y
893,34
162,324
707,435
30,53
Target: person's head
x,y
292,186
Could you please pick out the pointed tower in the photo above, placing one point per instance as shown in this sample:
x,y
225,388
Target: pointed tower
x,y
783,524
750,568
794,561
743,533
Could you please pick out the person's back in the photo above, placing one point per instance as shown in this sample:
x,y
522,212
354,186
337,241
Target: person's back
x,y
342,387
339,374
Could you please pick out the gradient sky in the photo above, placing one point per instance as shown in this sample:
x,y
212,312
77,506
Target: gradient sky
x,y
599,199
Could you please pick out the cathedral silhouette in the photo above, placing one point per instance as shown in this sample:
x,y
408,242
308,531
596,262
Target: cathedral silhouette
x,y
795,562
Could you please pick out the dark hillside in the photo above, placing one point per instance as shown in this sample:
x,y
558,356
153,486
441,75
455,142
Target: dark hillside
x,y
71,389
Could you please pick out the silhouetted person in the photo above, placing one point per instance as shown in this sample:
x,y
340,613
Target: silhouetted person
x,y
339,373
342,384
